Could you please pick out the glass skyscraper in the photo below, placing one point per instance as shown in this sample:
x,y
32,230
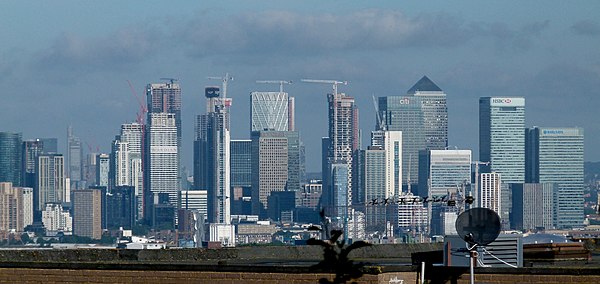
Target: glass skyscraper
x,y
10,157
502,137
555,155
404,113
443,171
241,163
435,113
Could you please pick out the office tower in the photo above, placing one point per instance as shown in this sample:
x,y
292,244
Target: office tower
x,y
11,209
89,169
311,194
490,191
391,142
102,170
241,163
413,216
166,98
50,180
74,159
502,137
212,156
87,213
404,113
271,111
28,206
435,113
343,142
30,151
370,186
161,164
533,205
50,144
275,166
555,155
194,200
442,172
10,157
120,163
56,219
341,199
132,134
120,207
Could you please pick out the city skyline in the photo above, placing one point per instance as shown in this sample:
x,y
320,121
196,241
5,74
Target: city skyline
x,y
546,55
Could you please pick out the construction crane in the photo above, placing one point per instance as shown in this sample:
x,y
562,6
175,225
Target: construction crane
x,y
143,108
225,79
281,82
333,82
172,80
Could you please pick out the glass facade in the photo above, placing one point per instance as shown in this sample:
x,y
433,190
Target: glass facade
x,y
241,163
443,171
435,113
555,155
502,137
269,111
10,157
404,113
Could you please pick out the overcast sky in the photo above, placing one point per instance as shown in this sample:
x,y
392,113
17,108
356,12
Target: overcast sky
x,y
68,62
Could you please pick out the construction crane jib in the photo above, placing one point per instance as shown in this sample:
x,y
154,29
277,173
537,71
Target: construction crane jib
x,y
333,82
225,79
280,82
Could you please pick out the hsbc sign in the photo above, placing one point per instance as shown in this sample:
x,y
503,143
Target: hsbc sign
x,y
507,101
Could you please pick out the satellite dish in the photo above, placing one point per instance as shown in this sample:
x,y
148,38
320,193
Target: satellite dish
x,y
478,226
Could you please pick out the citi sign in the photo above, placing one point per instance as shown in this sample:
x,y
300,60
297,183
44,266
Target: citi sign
x,y
404,101
502,101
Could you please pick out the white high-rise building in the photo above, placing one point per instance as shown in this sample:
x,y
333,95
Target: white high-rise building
x,y
391,142
56,219
490,192
162,158
51,181
121,162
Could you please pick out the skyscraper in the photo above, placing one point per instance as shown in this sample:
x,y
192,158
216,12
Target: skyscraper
x,y
343,142
391,142
50,185
10,157
555,155
370,186
443,171
30,151
490,191
212,156
270,111
275,166
241,163
533,205
161,171
404,113
435,113
166,98
502,137
127,161
102,169
74,158
87,213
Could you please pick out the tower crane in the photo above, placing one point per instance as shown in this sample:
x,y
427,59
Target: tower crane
x,y
143,108
280,82
172,80
333,82
225,79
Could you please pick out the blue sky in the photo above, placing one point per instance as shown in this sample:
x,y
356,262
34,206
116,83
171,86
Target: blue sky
x,y
67,62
